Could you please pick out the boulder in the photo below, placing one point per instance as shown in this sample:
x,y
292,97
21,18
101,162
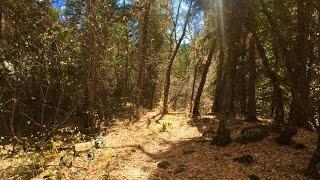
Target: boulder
x,y
245,159
164,165
252,134
181,168
253,177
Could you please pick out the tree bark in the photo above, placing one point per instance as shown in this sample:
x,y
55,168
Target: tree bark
x,y
1,17
277,92
251,104
296,70
194,84
143,47
312,169
234,29
218,90
171,60
197,100
242,79
91,82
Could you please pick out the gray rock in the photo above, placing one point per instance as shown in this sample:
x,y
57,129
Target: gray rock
x,y
164,165
245,159
181,168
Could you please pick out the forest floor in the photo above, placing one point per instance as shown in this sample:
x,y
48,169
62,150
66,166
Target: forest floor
x,y
168,148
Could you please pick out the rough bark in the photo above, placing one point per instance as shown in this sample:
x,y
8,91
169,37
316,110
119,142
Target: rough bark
x,y
197,100
277,92
296,69
194,84
143,49
251,104
313,167
218,89
234,29
1,16
249,24
92,73
242,86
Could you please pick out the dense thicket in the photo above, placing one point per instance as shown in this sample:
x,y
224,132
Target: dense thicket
x,y
82,65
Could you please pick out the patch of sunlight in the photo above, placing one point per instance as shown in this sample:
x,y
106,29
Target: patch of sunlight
x,y
136,173
110,153
162,127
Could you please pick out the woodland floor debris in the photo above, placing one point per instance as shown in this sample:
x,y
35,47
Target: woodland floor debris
x,y
135,151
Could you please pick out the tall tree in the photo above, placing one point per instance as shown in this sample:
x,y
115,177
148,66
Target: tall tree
x,y
173,55
216,108
251,104
210,29
93,58
143,50
197,100
234,29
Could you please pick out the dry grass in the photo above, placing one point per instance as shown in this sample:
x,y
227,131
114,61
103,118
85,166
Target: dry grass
x,y
132,151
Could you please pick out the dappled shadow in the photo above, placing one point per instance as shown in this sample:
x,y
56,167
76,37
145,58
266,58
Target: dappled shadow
x,y
211,122
197,159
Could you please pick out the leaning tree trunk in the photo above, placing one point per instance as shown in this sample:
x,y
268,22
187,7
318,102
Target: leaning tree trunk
x,y
277,92
197,100
194,84
296,67
171,60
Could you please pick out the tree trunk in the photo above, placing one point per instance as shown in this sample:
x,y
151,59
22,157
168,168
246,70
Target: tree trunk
x,y
171,60
296,67
149,89
197,100
218,90
251,104
194,84
143,47
93,47
227,105
313,167
298,115
242,80
277,92
1,17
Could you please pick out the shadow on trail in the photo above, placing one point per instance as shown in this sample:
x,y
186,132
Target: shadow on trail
x,y
195,158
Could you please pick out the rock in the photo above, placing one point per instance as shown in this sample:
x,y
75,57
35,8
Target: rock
x,y
98,144
208,134
253,177
245,159
164,165
252,134
223,137
181,168
188,151
299,146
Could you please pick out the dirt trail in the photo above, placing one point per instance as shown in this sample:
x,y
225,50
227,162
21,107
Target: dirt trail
x,y
142,146
173,148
